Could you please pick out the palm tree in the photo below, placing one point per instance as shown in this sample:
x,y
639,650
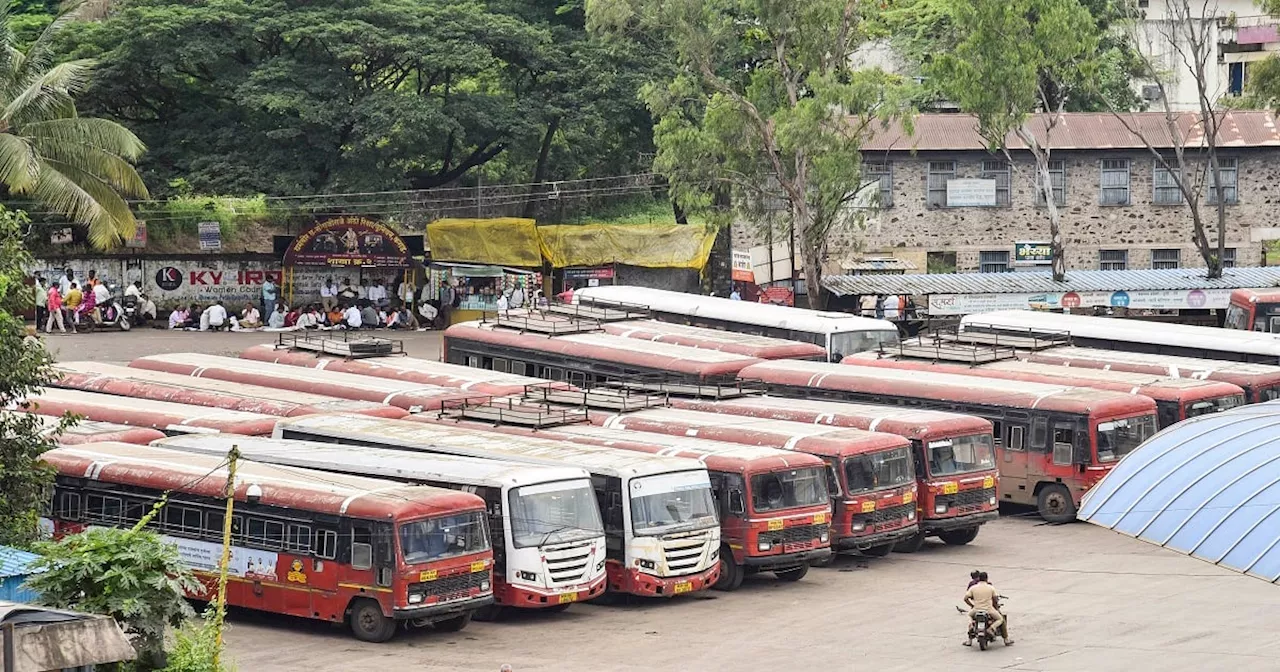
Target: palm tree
x,y
75,166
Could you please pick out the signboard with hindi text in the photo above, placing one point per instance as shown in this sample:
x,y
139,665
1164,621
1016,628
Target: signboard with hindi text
x,y
971,193
349,241
1032,253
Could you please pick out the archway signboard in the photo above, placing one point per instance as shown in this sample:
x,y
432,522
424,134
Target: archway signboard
x,y
348,241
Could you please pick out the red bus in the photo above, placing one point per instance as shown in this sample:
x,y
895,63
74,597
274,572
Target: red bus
x,y
370,553
955,470
159,386
774,507
871,478
165,416
1053,442
1260,382
406,395
751,345
586,358
1254,310
1176,399
89,431
407,369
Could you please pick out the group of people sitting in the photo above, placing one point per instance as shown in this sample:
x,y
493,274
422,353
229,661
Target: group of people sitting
x,y
360,314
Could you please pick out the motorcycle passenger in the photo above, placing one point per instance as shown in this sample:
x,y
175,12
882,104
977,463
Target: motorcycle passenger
x,y
982,596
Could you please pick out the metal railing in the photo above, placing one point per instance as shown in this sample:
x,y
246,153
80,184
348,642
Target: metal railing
x,y
1016,337
342,343
511,411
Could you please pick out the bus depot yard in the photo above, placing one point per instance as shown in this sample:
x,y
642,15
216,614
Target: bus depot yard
x,y
578,490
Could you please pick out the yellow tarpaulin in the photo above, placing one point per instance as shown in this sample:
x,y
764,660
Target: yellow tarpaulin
x,y
504,241
650,245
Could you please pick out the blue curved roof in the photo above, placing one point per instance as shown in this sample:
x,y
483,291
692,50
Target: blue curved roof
x,y
1208,487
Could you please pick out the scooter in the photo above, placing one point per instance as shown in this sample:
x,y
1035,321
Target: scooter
x,y
117,314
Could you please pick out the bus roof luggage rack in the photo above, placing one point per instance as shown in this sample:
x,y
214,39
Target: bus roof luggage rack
x,y
604,310
512,411
936,348
551,323
728,389
342,343
1022,339
622,399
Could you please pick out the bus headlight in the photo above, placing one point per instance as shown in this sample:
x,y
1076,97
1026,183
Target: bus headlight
x,y
527,576
940,508
764,545
715,554
826,536
992,501
858,527
600,565
911,515
484,585
415,598
646,564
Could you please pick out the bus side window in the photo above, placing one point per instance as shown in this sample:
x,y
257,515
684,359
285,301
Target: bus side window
x,y
721,495
1016,433
1039,432
997,433
326,544
518,368
1064,439
361,547
473,361
501,365
578,378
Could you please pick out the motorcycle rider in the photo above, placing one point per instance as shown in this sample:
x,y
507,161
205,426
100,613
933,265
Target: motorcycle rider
x,y
982,596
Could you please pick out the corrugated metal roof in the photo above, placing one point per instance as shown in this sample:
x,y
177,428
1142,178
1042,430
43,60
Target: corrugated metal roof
x,y
1042,281
1207,487
14,562
1079,130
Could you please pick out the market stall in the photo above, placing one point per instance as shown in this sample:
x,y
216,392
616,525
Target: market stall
x,y
474,288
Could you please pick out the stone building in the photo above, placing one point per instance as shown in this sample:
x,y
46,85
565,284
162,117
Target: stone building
x,y
949,205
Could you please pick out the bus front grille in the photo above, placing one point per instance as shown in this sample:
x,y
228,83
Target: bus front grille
x,y
568,565
968,501
448,588
683,555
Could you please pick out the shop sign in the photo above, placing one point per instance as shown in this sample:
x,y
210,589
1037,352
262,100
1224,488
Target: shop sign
x,y
589,273
1032,253
743,270
1155,299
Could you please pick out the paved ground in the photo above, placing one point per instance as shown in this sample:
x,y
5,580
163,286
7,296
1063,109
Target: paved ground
x,y
115,346
1081,599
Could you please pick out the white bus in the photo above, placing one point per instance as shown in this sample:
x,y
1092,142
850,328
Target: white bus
x,y
548,539
839,334
1135,335
662,531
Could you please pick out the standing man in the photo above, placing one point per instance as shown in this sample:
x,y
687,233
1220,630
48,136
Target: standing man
x,y
53,305
64,283
517,296
328,295
269,296
448,296
406,292
362,290
42,299
735,295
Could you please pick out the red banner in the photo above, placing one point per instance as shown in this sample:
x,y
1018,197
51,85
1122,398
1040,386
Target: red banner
x,y
348,241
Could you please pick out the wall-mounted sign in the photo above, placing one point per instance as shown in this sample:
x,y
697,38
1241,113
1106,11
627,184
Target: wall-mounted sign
x,y
743,271
348,241
139,239
589,273
971,193
210,235
1032,253
1148,299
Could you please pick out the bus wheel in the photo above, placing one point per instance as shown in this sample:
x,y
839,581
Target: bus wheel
x,y
1055,504
368,624
453,624
731,573
959,537
911,544
793,574
878,551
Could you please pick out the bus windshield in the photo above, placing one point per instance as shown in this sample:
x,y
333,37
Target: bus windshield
x,y
1117,438
879,470
671,502
445,537
961,454
1215,405
554,513
848,343
787,489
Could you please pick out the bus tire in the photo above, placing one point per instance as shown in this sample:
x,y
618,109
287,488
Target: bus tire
x,y
367,622
911,544
959,537
453,624
1055,504
879,551
731,573
793,574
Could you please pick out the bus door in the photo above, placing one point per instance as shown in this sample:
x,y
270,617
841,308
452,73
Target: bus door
x,y
609,499
731,506
1011,443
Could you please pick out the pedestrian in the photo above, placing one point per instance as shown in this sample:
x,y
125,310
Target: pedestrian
x,y
362,290
64,283
504,304
92,281
328,295
269,295
53,303
735,295
449,299
406,292
42,299
880,306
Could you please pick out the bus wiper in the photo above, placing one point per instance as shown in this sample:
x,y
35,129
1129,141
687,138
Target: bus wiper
x,y
557,530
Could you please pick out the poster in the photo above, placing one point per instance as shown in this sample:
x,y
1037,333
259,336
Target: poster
x,y
971,193
210,235
1151,299
139,239
203,556
743,271
349,241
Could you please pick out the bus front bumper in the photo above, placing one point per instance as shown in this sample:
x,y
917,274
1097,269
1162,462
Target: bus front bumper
x,y
862,543
440,612
509,595
646,585
767,563
936,525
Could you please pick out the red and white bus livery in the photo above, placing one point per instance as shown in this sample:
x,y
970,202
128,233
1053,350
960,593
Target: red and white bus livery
x,y
168,417
370,553
1054,442
751,345
160,386
1260,382
406,395
956,476
89,431
406,369
548,539
1176,399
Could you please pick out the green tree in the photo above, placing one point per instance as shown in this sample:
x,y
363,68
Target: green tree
x,y
766,114
75,166
25,483
132,575
1005,82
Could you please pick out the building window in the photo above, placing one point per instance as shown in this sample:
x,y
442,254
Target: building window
x,y
1165,258
993,262
1000,172
940,172
1229,257
1229,169
1058,177
1115,182
1113,260
883,172
1237,76
1165,189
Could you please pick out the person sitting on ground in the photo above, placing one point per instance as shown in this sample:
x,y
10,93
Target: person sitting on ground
x,y
309,318
369,316
402,318
291,317
250,318
378,294
193,317
429,313
178,318
351,318
276,320
214,318
333,317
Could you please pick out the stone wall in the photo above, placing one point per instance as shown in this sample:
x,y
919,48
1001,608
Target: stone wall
x,y
909,227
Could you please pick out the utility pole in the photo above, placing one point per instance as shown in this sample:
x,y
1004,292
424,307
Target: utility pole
x,y
220,611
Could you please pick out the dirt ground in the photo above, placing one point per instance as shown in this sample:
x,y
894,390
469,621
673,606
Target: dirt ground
x,y
1080,599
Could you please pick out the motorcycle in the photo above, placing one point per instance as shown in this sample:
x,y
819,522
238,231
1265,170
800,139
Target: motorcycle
x,y
980,626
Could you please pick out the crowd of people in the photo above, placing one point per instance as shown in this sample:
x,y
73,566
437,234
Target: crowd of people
x,y
69,302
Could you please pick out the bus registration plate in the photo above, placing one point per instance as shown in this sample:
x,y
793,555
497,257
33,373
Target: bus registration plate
x,y
950,488
568,597
988,483
683,587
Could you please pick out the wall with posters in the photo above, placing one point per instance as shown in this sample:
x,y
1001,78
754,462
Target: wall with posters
x,y
1164,299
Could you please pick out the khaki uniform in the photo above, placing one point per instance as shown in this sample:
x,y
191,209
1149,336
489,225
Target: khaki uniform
x,y
984,596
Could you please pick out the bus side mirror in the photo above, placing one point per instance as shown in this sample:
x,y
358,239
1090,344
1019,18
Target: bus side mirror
x,y
736,505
